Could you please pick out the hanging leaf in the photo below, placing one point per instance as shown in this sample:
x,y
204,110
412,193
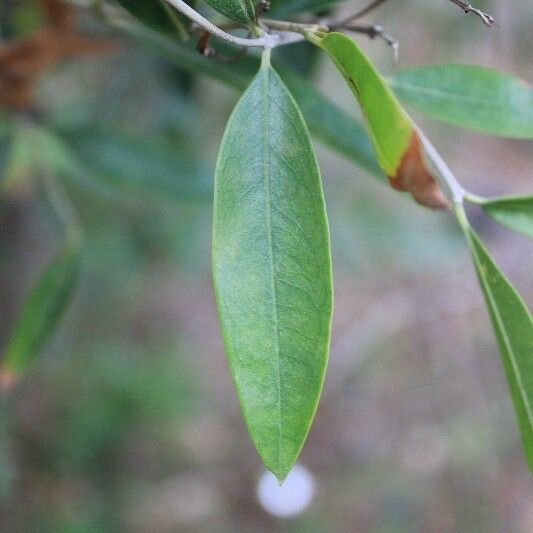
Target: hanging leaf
x,y
396,141
515,212
239,10
474,97
272,268
42,311
513,324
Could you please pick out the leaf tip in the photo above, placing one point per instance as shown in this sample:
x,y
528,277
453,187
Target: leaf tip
x,y
281,475
279,467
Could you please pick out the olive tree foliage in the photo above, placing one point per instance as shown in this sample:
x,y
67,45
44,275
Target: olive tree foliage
x,y
271,255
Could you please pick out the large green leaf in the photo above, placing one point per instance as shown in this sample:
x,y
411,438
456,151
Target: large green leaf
x,y
272,268
42,311
474,97
513,324
326,120
515,212
130,164
239,10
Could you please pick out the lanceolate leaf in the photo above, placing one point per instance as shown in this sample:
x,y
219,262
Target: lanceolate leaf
x,y
396,141
239,10
272,268
42,311
515,212
474,97
513,324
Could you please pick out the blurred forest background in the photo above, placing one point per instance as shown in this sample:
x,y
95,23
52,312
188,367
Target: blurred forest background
x,y
129,420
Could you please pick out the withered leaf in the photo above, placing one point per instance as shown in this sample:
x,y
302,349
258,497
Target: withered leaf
x,y
394,135
414,176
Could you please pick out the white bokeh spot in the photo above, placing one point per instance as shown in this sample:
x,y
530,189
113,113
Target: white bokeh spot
x,y
292,498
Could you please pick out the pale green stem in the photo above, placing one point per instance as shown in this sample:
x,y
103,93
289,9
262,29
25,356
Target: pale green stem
x,y
266,41
446,177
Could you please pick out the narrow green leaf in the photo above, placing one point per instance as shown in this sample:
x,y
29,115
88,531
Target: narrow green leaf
x,y
332,125
396,141
42,311
515,212
473,97
326,120
239,10
272,268
125,163
157,15
513,325
390,127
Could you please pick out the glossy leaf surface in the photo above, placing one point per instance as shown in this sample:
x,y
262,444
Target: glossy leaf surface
x,y
239,10
514,212
474,97
42,311
272,268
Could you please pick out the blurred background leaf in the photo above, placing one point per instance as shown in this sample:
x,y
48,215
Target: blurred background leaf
x,y
160,169
159,16
469,96
41,312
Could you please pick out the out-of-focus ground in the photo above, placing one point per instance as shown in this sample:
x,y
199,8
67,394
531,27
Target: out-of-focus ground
x,y
129,422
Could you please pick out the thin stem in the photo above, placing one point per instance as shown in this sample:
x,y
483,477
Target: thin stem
x,y
475,198
460,215
488,20
446,177
297,27
372,31
362,13
267,41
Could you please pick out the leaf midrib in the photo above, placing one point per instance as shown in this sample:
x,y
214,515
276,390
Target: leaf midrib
x,y
266,180
242,4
